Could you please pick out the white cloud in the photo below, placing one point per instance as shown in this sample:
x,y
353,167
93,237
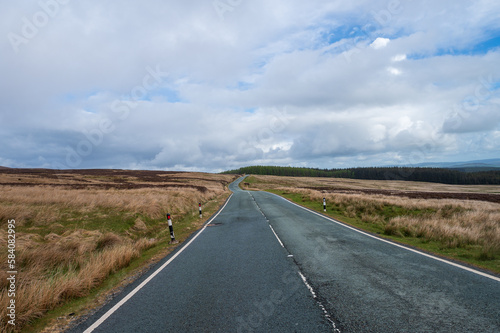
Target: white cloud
x,y
394,71
380,43
399,57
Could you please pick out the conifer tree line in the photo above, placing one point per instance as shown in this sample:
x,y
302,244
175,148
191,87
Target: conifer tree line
x,y
435,175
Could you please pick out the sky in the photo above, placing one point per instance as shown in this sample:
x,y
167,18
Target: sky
x,y
214,85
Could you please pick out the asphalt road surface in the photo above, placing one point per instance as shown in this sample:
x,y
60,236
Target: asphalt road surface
x,y
266,265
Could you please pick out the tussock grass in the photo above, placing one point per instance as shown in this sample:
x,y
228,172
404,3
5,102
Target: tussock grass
x,y
46,205
41,288
71,237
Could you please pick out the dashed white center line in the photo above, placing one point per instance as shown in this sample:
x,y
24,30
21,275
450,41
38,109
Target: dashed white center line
x,y
325,312
307,284
279,240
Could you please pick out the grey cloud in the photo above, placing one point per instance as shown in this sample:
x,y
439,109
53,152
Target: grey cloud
x,y
481,120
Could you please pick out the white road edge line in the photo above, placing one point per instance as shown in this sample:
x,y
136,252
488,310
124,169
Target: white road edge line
x,y
395,244
279,240
139,287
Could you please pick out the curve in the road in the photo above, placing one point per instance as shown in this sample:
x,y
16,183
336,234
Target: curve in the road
x,y
231,276
269,265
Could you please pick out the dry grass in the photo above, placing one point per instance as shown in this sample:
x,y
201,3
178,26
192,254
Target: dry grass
x,y
44,205
58,277
459,230
453,223
74,229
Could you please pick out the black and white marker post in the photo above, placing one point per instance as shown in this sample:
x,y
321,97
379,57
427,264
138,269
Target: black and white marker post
x,y
199,205
324,204
172,236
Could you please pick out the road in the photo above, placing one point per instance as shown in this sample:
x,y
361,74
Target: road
x,y
266,265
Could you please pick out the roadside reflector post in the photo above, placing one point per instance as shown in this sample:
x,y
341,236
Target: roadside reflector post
x,y
199,206
172,236
324,204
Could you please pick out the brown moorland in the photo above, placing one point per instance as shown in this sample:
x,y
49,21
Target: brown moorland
x,y
76,228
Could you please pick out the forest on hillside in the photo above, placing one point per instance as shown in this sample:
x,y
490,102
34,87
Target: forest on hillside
x,y
434,175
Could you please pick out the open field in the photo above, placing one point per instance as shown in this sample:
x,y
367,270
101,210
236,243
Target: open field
x,y
459,222
75,229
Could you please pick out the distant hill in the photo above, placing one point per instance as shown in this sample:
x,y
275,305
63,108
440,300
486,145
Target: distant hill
x,y
469,166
